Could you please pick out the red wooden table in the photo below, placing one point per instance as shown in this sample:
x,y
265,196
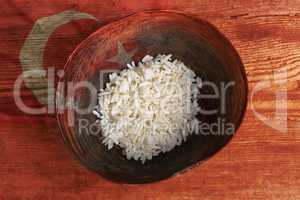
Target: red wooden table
x,y
259,163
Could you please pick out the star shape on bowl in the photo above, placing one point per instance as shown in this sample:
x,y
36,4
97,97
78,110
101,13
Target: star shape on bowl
x,y
122,56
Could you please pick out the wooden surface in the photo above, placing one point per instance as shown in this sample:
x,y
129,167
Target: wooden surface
x,y
259,163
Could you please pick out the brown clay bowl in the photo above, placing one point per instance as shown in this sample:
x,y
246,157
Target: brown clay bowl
x,y
195,42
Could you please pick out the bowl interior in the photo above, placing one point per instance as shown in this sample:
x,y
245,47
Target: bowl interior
x,y
199,45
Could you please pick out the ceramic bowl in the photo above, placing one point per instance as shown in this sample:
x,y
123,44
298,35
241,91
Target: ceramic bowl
x,y
195,42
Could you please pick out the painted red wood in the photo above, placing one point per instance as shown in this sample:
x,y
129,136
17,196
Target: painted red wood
x,y
259,163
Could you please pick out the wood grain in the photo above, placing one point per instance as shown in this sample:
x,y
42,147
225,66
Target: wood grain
x,y
259,163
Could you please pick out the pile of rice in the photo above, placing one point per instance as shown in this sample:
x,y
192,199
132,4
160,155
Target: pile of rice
x,y
149,108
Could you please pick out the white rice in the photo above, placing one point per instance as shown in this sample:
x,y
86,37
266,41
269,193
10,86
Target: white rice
x,y
149,108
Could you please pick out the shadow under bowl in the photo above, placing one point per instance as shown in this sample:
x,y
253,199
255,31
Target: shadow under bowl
x,y
195,42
